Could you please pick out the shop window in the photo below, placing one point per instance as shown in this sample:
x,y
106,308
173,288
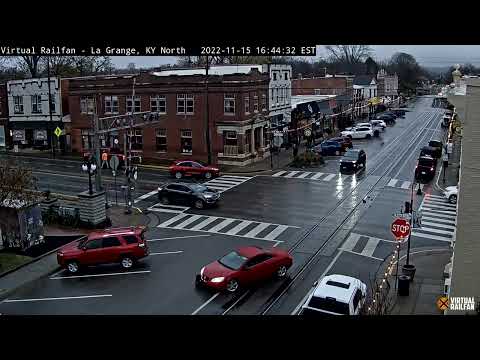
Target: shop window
x,y
36,104
161,140
18,104
186,141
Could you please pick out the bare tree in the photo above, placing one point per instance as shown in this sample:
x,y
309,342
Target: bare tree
x,y
350,54
16,184
29,64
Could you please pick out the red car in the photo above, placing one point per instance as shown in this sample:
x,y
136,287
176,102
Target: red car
x,y
192,168
120,245
244,267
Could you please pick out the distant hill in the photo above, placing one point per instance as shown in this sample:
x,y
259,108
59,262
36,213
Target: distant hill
x,y
437,69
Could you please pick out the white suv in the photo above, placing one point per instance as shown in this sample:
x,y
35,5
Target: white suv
x,y
451,194
335,295
359,132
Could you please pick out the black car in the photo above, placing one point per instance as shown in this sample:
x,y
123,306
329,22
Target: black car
x,y
389,119
431,151
438,145
425,169
390,113
187,194
353,160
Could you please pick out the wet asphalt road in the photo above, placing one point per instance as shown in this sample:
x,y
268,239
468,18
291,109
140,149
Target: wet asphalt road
x,y
304,213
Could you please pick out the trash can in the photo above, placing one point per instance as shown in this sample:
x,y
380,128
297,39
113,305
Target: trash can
x,y
409,270
403,285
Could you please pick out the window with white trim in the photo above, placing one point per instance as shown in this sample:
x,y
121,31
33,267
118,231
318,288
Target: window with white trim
x,y
185,104
18,104
134,105
87,104
36,104
161,140
111,104
229,104
264,102
158,104
278,97
288,95
247,103
230,138
52,102
136,139
286,75
255,103
274,76
186,141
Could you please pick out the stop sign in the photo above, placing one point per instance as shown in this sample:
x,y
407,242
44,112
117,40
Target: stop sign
x,y
400,228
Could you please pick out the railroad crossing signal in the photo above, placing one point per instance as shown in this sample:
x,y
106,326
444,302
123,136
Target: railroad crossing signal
x,y
400,228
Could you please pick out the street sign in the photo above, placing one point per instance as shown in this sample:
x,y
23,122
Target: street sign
x,y
115,141
308,132
400,228
114,162
58,131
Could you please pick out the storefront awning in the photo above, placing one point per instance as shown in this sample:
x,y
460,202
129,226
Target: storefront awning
x,y
35,124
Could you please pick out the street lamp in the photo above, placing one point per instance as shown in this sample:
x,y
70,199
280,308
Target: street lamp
x,y
91,168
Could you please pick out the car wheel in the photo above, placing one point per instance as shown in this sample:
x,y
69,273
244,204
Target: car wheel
x,y
452,199
368,136
164,200
73,267
232,286
178,175
208,175
282,271
126,262
199,204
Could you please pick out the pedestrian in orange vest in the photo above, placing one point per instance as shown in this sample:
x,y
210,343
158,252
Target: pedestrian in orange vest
x,y
105,160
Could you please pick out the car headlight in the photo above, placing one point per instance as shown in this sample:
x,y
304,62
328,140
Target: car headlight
x,y
207,196
218,279
201,271
354,162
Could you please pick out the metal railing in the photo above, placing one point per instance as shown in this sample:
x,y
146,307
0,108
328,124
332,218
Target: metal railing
x,y
230,150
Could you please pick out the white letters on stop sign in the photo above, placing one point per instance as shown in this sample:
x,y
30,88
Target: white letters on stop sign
x,y
401,228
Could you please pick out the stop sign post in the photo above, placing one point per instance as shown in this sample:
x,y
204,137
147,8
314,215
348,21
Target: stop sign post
x,y
400,228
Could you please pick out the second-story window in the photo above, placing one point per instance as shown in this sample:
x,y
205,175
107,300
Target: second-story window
x,y
36,104
133,105
52,103
278,97
255,103
18,104
185,104
286,76
161,140
247,104
158,104
264,102
111,104
274,76
229,104
87,105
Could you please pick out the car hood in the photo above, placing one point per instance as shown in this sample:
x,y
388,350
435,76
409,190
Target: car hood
x,y
451,188
70,248
216,269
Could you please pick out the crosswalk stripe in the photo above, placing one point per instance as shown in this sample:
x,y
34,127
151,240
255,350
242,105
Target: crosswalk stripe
x,y
280,173
159,209
351,242
257,230
439,211
144,196
444,203
220,226
235,230
446,221
276,232
329,177
224,181
186,222
434,197
435,231
245,178
369,249
438,225
392,182
316,176
438,206
174,219
405,185
428,236
437,215
305,174
291,173
204,223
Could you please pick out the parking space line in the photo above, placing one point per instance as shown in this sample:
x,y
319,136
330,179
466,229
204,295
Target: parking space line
x,y
167,252
144,196
56,298
97,275
178,237
205,304
360,254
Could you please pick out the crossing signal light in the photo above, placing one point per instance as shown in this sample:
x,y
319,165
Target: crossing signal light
x,y
408,210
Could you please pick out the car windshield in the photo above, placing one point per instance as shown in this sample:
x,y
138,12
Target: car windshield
x,y
350,155
81,243
329,304
233,260
425,162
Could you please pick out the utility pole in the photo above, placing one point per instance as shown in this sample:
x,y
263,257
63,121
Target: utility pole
x,y
207,114
129,158
50,108
96,146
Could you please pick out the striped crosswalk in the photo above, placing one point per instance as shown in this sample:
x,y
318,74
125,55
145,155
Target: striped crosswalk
x,y
226,182
364,245
438,219
228,226
402,184
308,175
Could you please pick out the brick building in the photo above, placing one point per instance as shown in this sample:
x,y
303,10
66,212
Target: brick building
x,y
4,131
238,105
387,85
330,85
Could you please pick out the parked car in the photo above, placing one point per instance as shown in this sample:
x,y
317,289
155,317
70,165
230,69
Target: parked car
x,y
437,144
187,194
116,245
390,113
329,147
430,151
345,141
244,267
335,295
451,194
353,160
180,169
379,124
389,120
364,132
425,168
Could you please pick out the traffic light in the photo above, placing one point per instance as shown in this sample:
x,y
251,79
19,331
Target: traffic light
x,y
408,210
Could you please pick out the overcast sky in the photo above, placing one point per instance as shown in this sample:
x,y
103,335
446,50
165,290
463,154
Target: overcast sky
x,y
426,55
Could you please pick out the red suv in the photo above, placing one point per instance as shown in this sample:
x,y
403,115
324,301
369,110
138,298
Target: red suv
x,y
192,168
120,245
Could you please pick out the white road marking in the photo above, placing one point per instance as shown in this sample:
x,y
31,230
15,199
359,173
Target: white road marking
x,y
316,176
446,221
433,237
405,185
440,202
439,211
165,210
329,177
278,242
297,308
221,182
291,173
436,231
430,205
204,223
356,253
434,197
144,196
276,232
244,178
392,182
438,216
369,249
178,237
239,227
98,275
56,298
257,230
174,219
190,220
351,242
280,173
304,175
438,225
167,252
205,304
221,225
